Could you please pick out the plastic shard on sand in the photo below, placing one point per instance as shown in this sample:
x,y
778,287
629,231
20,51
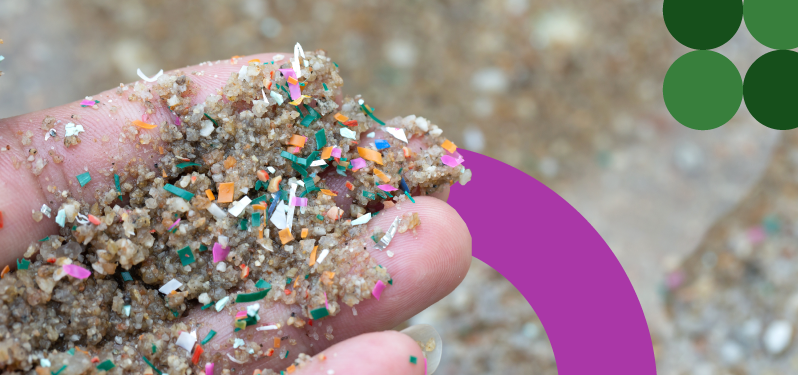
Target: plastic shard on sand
x,y
378,288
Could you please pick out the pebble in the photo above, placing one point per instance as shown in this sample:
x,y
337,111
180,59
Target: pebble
x,y
777,336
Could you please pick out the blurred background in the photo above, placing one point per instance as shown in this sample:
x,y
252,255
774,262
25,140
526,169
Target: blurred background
x,y
567,91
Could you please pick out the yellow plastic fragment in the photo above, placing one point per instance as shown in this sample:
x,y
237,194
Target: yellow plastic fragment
x,y
449,146
143,124
326,152
338,116
304,233
371,155
209,193
298,100
226,192
286,236
381,175
329,192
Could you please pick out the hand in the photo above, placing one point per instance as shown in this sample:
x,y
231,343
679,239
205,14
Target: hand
x,y
424,268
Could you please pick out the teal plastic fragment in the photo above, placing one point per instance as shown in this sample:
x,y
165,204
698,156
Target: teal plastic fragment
x,y
186,256
178,191
259,199
319,313
212,120
263,284
188,164
242,224
256,219
106,365
126,276
83,178
369,195
23,264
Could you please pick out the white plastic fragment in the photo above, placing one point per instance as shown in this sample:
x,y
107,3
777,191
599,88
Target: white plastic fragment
x,y
153,79
171,286
271,169
277,97
252,310
323,255
216,211
290,219
346,133
266,328
82,219
71,129
295,62
279,218
386,239
222,303
233,359
207,128
371,135
397,132
60,218
362,220
242,74
126,310
318,163
777,336
46,210
221,266
186,341
276,58
237,343
238,207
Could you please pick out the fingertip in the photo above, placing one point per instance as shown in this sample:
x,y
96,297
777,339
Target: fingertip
x,y
387,352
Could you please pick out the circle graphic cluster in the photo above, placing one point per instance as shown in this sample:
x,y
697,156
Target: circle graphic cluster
x,y
703,89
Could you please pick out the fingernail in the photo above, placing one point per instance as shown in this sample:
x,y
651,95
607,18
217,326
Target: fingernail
x,y
431,343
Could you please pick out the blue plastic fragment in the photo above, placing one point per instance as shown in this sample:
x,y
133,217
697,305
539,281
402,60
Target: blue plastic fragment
x,y
382,144
403,185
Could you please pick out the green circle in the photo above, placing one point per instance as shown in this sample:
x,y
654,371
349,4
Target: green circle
x,y
771,89
703,24
702,90
773,22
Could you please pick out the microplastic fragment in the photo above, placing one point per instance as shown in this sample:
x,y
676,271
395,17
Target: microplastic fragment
x,y
377,291
76,271
347,133
159,372
226,191
252,297
62,369
83,178
239,206
386,239
188,164
174,224
277,97
262,284
450,161
144,125
45,362
216,211
398,133
358,164
209,368
170,286
387,188
293,88
208,337
318,163
370,155
319,313
220,252
449,146
321,139
71,129
381,144
126,276
362,220
336,152
266,328
87,103
126,310
256,219
23,264
178,191
322,256
301,202
413,360
186,256
222,303
297,140
148,79
237,343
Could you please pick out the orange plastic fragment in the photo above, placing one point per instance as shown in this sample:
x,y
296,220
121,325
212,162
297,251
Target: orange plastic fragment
x,y
5,271
209,193
322,356
163,172
226,192
369,154
160,149
292,80
94,220
144,125
290,369
287,292
286,236
260,233
406,152
338,116
81,350
449,146
244,271
329,192
255,60
297,140
329,274
270,352
263,176
326,153
276,342
381,175
233,58
312,259
258,207
350,186
230,162
95,360
197,353
304,233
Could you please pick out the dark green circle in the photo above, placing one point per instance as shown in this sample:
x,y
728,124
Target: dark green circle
x,y
771,89
702,90
703,24
773,23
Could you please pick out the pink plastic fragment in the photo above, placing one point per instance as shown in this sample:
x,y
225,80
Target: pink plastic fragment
x,y
145,117
336,152
756,235
76,271
358,163
209,368
296,201
450,161
87,102
219,252
177,119
387,188
241,314
293,89
325,301
425,366
377,291
174,224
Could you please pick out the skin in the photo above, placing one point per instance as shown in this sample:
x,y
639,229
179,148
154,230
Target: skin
x,y
425,268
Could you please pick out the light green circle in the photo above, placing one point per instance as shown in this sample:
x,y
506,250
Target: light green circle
x,y
702,90
774,23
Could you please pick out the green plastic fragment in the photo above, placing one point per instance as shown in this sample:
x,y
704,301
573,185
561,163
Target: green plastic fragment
x,y
263,284
309,184
307,120
319,313
45,239
71,351
300,169
341,170
175,313
154,349
242,224
126,309
369,195
288,155
83,178
126,276
186,256
335,63
59,370
118,184
178,191
413,360
390,282
188,164
252,297
320,217
207,306
259,199
208,337
325,86
374,239
411,198
256,219
106,365
23,265
212,120
371,114
302,194
203,248
286,354
288,281
159,372
307,276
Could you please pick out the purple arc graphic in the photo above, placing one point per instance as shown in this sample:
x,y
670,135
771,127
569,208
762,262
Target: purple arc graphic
x,y
561,265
